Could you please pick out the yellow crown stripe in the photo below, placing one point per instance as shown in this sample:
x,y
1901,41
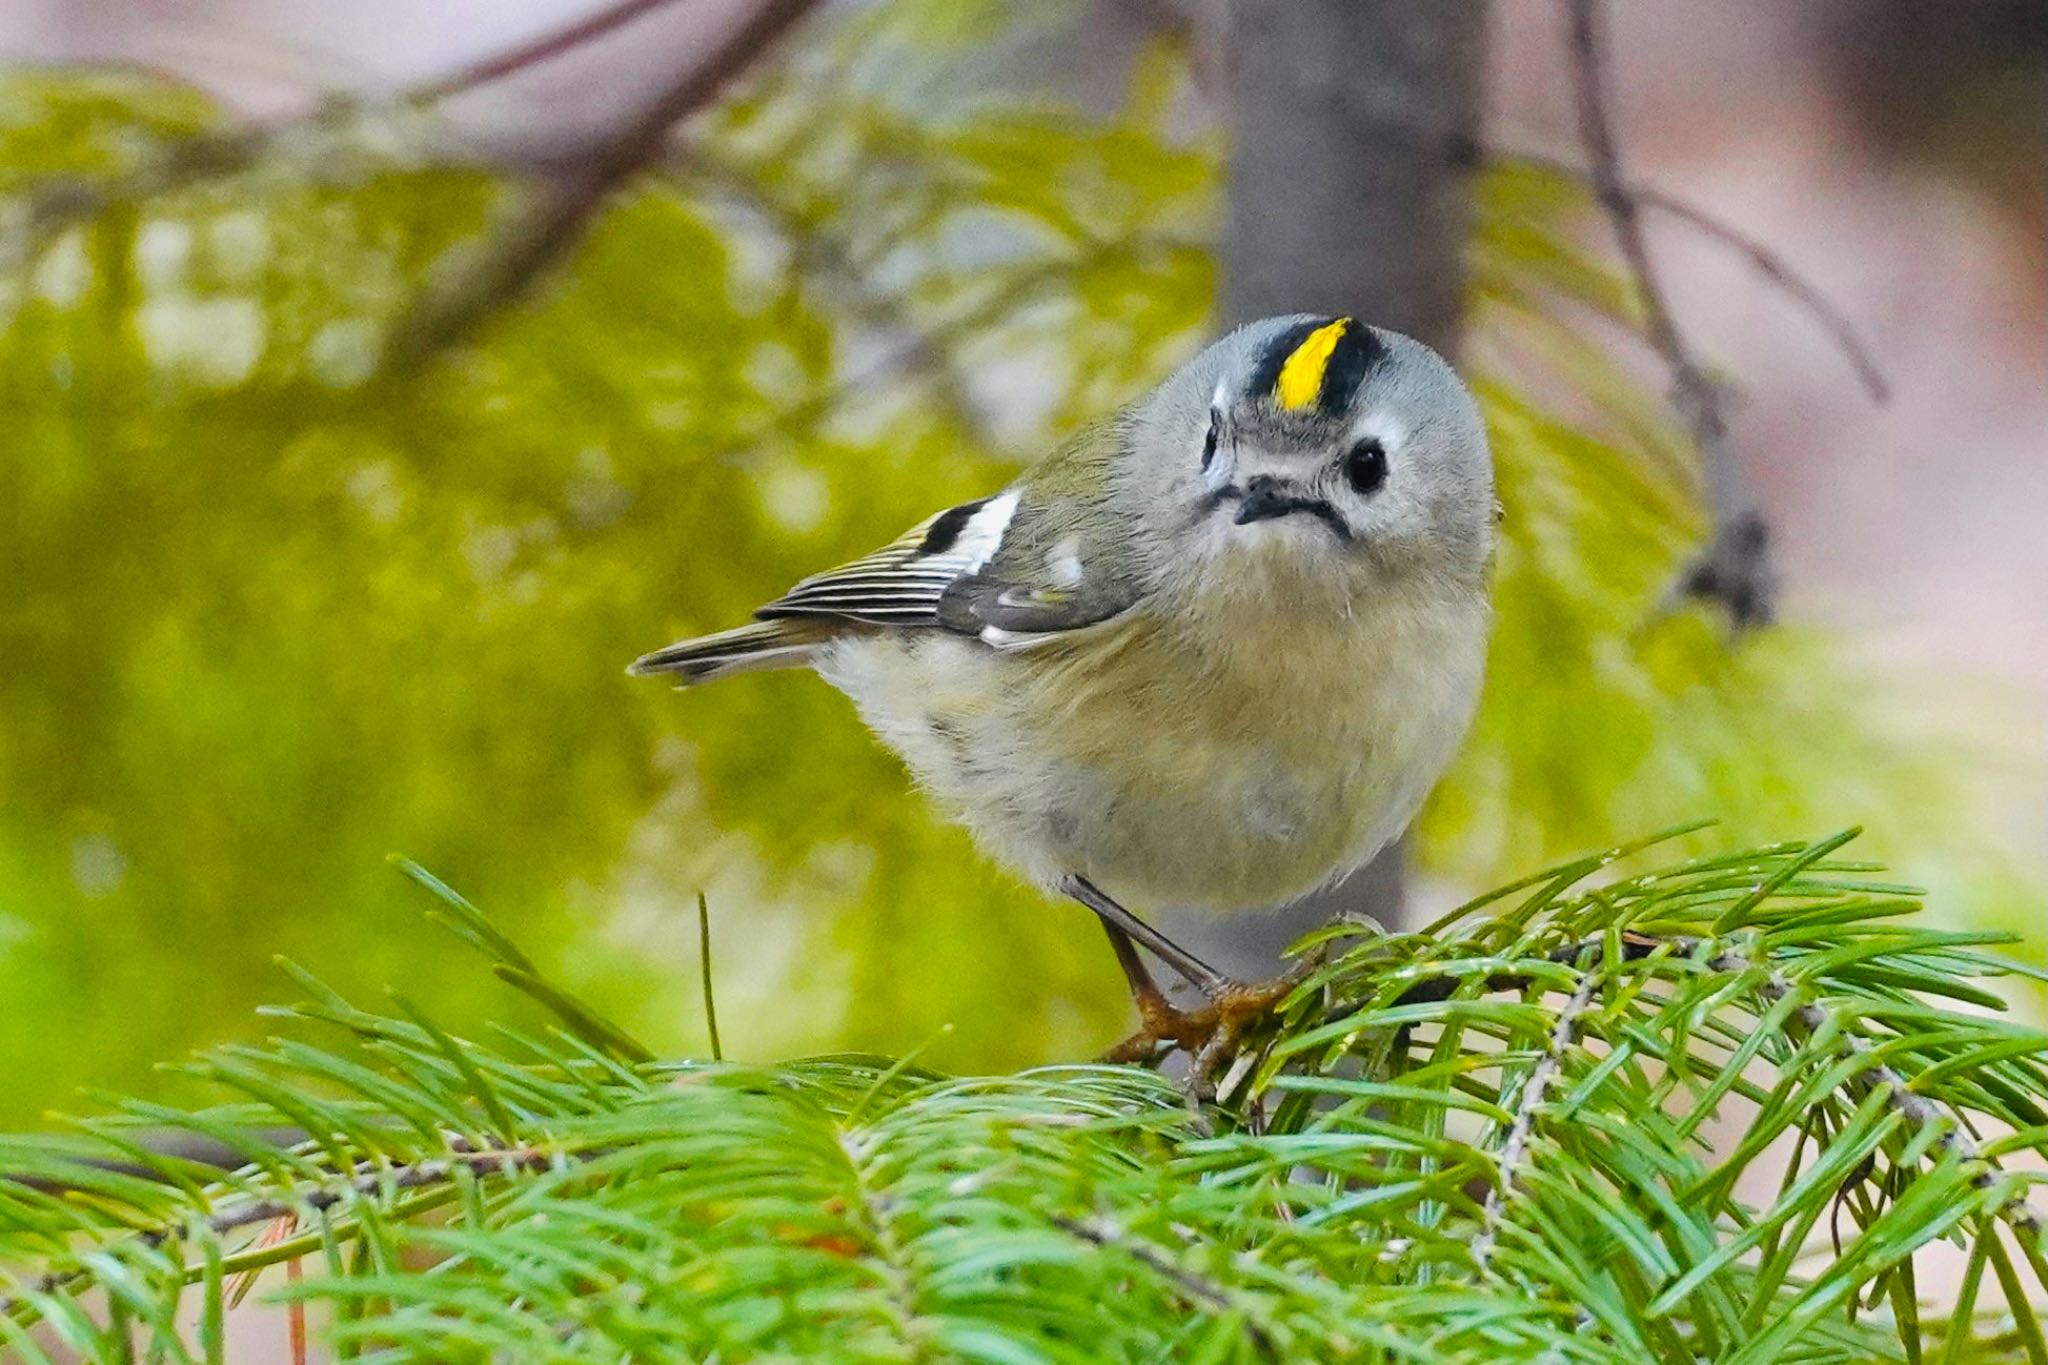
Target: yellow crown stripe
x,y
1301,377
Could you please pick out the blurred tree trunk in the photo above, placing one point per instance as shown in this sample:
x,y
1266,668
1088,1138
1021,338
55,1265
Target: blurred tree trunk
x,y
1347,189
1347,194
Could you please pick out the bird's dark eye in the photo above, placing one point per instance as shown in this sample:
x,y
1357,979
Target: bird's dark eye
x,y
1365,467
1209,441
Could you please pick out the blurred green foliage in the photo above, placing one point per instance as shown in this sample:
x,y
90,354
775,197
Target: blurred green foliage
x,y
270,611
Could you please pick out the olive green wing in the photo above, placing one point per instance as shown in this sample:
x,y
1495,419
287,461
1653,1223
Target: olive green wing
x,y
1040,559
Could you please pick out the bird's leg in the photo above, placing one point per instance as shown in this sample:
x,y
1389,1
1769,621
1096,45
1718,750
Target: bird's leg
x,y
1160,1021
1124,927
1208,1033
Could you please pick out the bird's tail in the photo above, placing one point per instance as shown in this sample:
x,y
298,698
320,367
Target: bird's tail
x,y
745,649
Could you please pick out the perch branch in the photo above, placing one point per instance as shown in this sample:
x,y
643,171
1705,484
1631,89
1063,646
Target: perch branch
x,y
1735,569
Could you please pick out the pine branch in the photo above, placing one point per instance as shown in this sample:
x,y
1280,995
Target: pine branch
x,y
572,1203
1529,1102
1736,568
1199,1292
1927,1123
314,1199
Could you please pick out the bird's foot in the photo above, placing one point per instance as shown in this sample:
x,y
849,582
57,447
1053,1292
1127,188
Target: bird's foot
x,y
1212,1031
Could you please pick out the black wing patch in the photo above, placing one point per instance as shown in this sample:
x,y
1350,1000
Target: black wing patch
x,y
991,569
902,583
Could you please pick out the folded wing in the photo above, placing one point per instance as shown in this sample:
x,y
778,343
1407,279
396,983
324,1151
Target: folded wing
x,y
1011,570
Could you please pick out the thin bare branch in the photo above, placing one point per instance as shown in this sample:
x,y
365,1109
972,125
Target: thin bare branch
x,y
1736,568
537,52
1775,269
554,220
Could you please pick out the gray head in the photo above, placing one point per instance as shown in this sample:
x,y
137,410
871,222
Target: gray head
x,y
1319,438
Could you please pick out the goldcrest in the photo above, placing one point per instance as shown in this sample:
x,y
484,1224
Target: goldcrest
x,y
1213,651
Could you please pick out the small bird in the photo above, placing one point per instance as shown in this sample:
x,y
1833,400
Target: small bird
x,y
1213,651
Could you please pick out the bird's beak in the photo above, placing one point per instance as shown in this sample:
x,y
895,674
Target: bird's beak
x,y
1265,499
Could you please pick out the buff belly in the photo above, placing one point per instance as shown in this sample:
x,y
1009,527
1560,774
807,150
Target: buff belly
x,y
1170,772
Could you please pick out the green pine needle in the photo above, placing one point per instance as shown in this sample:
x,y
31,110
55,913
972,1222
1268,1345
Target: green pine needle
x,y
1522,1136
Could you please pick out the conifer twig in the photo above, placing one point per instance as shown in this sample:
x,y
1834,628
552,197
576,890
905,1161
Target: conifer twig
x,y
1736,568
1529,1101
1804,1022
1196,1289
1919,1113
320,1198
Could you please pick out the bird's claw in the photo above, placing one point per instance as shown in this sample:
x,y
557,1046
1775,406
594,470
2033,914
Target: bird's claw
x,y
1211,1032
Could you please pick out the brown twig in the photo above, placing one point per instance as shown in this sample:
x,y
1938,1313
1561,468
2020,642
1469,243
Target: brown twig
x,y
553,222
537,52
1735,569
217,153
1775,269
